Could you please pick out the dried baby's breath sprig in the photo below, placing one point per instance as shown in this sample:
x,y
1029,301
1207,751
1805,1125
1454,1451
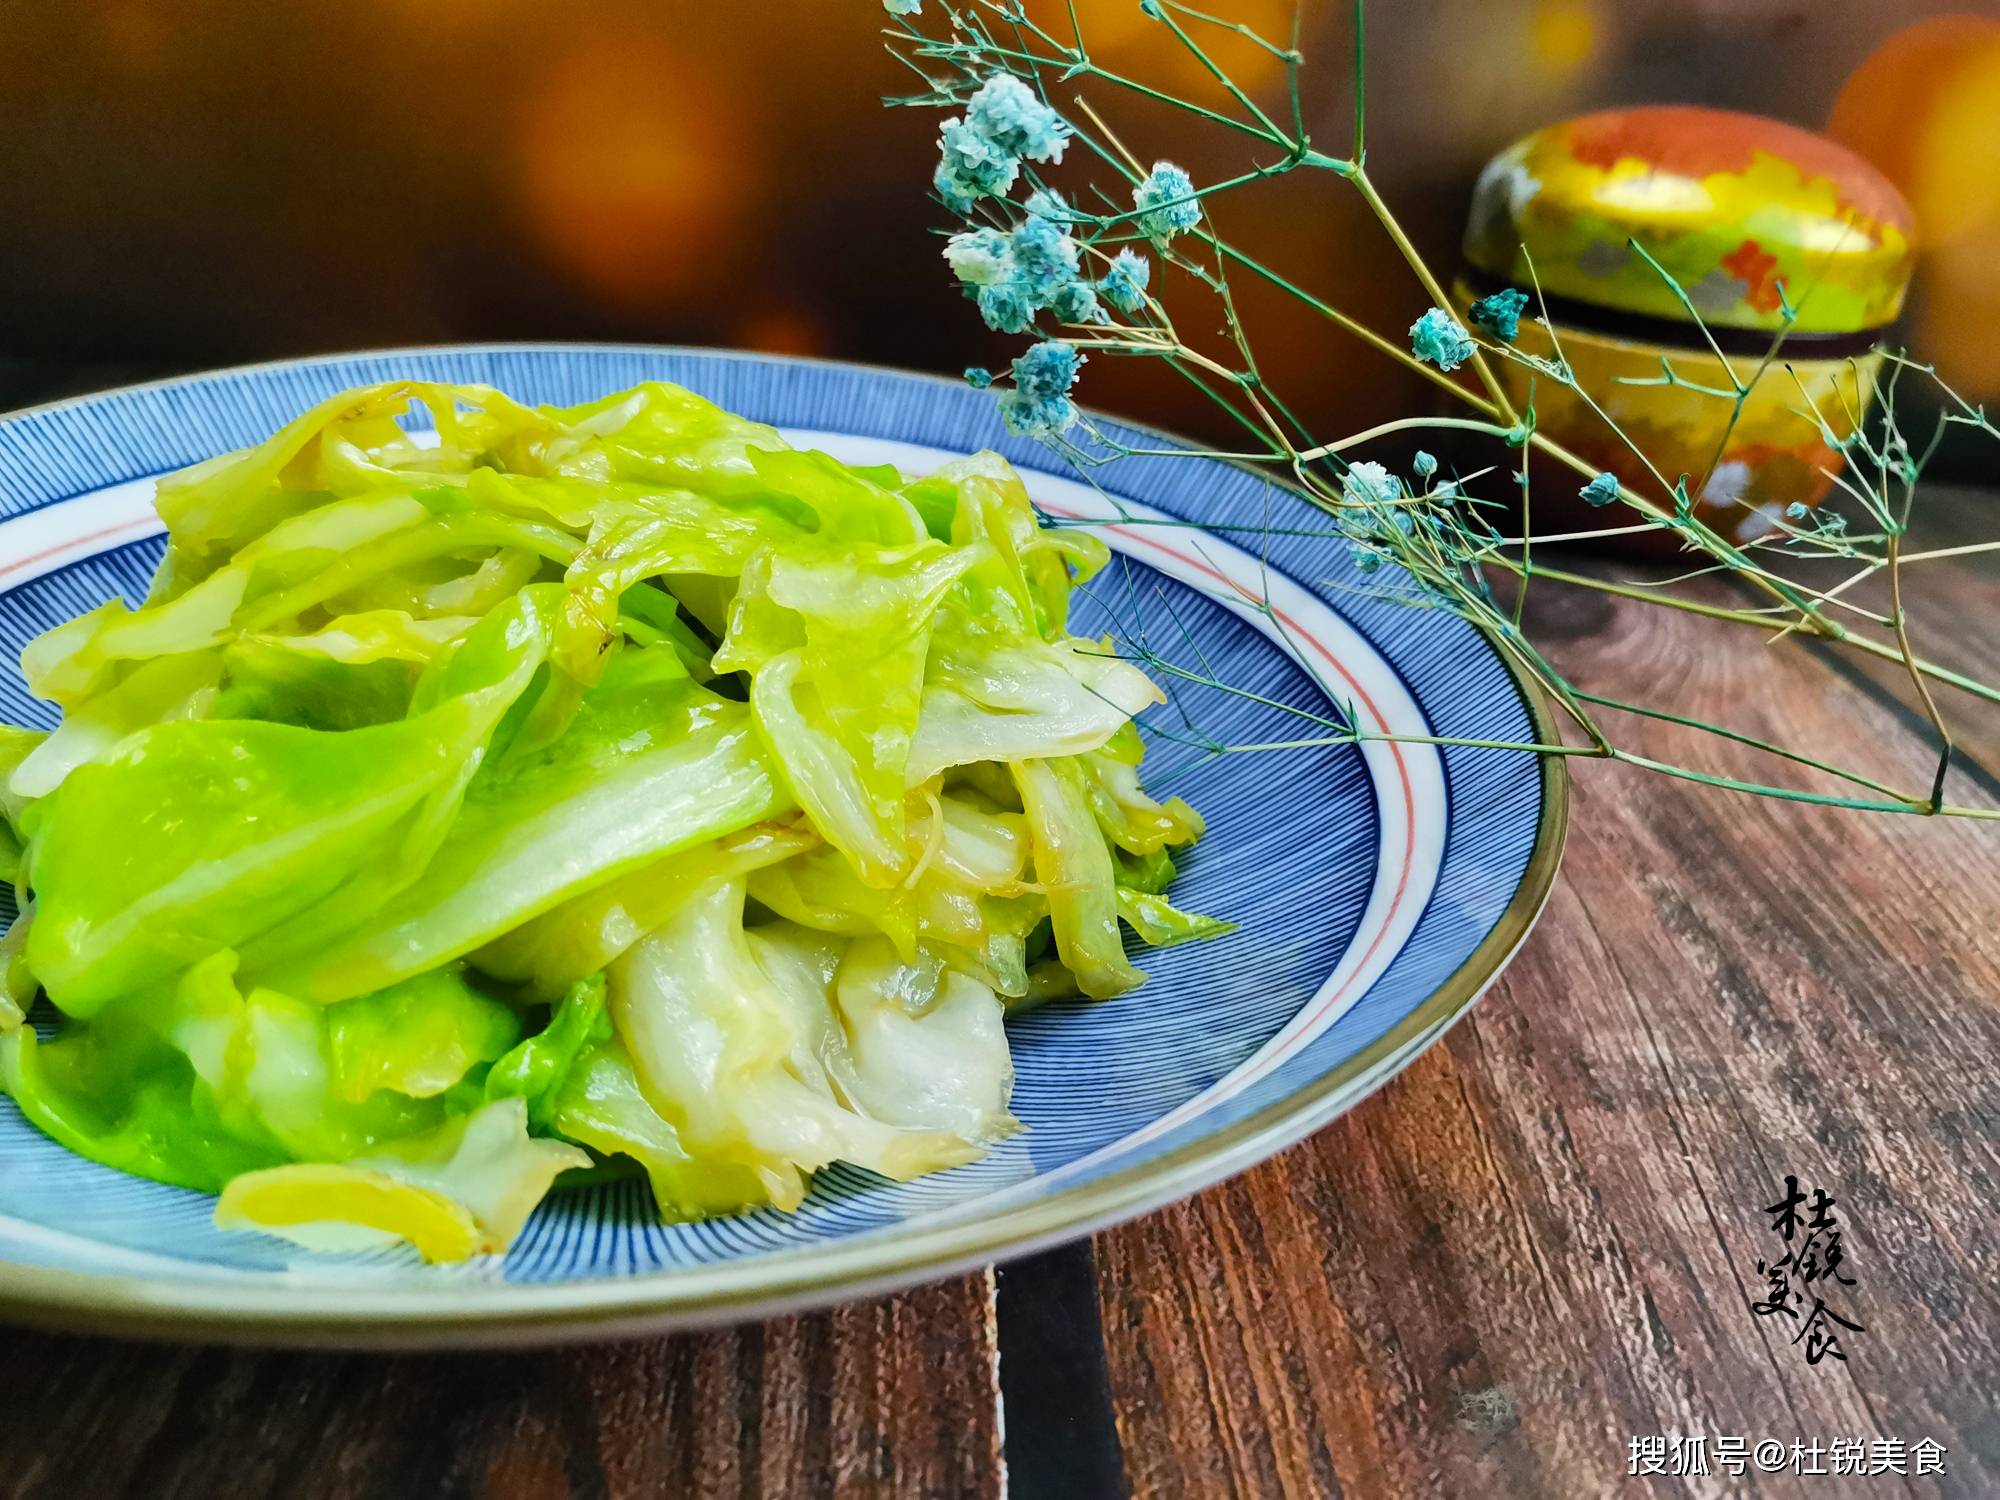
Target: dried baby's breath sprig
x,y
1077,274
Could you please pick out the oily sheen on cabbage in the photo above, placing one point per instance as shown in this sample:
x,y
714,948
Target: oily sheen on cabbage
x,y
585,790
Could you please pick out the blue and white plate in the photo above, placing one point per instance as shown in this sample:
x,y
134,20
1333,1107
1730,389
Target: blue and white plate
x,y
1379,889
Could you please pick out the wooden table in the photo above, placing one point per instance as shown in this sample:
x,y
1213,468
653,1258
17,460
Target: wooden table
x,y
1535,1245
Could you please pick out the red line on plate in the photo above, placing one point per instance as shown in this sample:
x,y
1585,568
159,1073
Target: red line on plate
x,y
74,542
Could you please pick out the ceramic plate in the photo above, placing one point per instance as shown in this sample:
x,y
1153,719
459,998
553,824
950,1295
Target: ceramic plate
x,y
1379,889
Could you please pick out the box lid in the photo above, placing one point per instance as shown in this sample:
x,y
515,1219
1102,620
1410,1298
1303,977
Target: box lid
x,y
1733,206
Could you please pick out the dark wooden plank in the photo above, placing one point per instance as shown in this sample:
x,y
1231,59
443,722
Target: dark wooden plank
x,y
889,1397
1540,1241
1062,1433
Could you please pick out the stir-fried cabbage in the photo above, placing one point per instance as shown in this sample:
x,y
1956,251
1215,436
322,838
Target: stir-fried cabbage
x,y
600,786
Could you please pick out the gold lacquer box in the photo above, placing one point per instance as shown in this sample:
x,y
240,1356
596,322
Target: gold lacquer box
x,y
1764,229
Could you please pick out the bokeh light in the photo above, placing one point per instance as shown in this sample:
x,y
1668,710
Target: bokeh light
x,y
136,37
636,172
396,171
1565,34
780,328
1124,38
1923,108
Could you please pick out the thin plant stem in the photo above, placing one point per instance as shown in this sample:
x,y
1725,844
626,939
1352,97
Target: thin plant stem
x,y
1917,677
1480,365
1404,424
1752,741
1936,552
1446,553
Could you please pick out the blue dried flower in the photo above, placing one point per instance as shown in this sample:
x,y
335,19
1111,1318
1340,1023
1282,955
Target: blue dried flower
x,y
1010,116
980,257
1441,339
1047,203
1365,559
1366,483
1039,404
1124,284
977,378
1500,314
1027,417
1047,370
1077,303
1045,259
1796,511
1165,202
1424,464
954,193
1005,308
1600,491
903,7
971,166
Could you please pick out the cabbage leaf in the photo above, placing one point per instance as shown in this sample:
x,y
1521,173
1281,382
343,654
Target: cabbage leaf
x,y
566,790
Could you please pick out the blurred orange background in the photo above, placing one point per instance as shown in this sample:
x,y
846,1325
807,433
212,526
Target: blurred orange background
x,y
215,181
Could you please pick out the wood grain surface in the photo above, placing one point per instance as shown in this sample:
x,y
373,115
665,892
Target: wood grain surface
x,y
891,1397
1541,1240
1536,1244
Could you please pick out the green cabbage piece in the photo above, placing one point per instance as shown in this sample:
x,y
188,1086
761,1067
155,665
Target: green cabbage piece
x,y
1161,924
269,1066
537,1069
743,1054
119,1096
836,649
652,764
547,956
419,1037
1075,867
17,981
16,745
601,1105
207,834
566,788
457,1189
